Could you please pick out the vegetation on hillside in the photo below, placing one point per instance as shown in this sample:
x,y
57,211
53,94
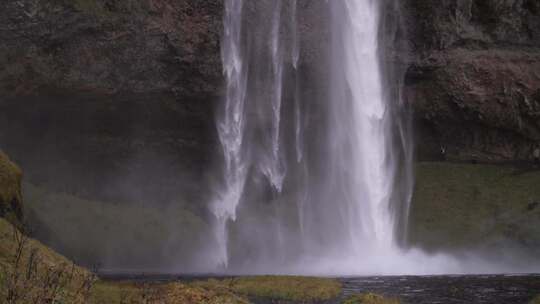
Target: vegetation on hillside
x,y
123,234
10,189
32,273
469,205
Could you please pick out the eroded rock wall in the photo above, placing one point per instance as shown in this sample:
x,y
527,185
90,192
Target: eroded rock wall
x,y
474,78
103,96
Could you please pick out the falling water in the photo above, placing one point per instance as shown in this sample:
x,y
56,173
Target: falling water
x,y
230,125
361,126
290,193
273,166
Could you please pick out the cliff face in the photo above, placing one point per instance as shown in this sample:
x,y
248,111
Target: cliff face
x,y
110,94
474,77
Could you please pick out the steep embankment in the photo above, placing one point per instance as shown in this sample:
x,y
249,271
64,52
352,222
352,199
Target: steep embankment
x,y
11,205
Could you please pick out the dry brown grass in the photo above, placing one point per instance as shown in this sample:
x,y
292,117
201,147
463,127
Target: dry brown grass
x,y
370,298
10,189
32,273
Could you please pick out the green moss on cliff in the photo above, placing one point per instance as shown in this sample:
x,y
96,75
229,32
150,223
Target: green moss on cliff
x,y
10,189
466,205
131,235
122,234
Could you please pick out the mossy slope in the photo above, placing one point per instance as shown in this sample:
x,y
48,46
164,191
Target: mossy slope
x,y
119,235
77,285
470,205
10,189
41,275
32,273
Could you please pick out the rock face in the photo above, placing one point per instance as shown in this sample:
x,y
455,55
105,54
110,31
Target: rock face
x,y
474,78
103,96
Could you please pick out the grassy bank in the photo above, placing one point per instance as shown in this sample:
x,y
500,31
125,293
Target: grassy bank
x,y
275,288
33,273
471,205
123,235
30,272
10,189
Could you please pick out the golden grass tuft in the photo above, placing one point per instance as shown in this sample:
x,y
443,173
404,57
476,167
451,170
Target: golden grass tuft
x,y
370,298
284,288
32,273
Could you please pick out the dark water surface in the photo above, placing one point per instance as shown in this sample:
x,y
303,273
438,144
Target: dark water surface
x,y
492,289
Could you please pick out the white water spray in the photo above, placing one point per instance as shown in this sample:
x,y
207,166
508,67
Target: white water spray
x,y
329,201
231,125
364,143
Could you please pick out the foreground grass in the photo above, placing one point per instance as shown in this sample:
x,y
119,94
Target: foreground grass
x,y
369,298
30,272
278,288
467,205
169,293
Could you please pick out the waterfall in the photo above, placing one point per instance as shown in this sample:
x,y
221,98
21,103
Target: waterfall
x,y
361,126
309,164
231,125
273,166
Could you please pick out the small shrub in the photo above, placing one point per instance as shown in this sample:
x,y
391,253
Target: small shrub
x,y
31,274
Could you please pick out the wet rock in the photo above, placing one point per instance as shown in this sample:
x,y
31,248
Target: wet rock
x,y
113,93
473,77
